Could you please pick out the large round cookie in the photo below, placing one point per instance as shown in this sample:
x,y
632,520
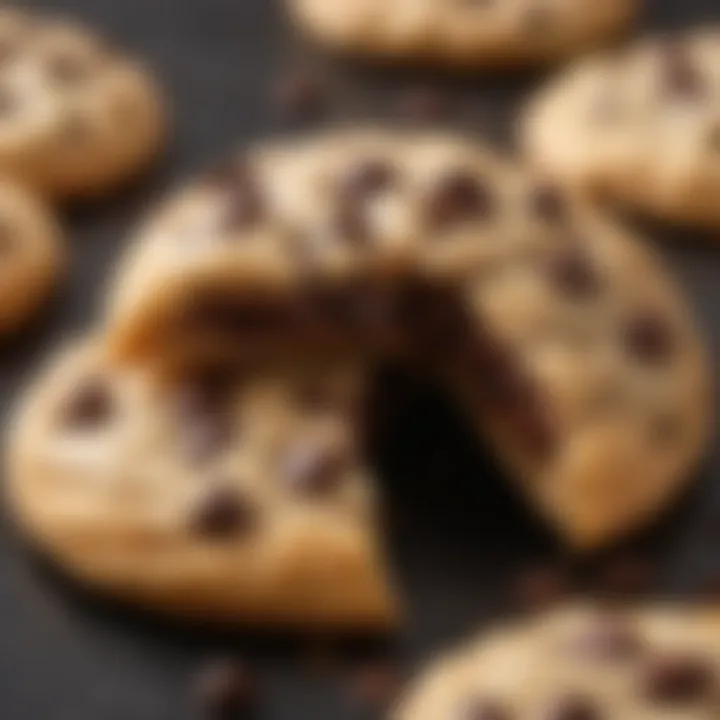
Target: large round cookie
x,y
557,329
472,33
638,126
32,255
204,493
580,662
76,117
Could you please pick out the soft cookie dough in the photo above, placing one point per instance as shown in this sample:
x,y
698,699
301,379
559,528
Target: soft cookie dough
x,y
76,117
640,126
580,662
206,494
470,33
557,329
32,255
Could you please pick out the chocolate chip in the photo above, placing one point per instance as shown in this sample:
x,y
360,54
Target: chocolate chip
x,y
539,587
648,338
377,684
367,178
226,690
204,391
299,93
573,707
459,197
608,639
221,513
681,76
243,204
548,203
422,103
676,680
312,468
225,174
89,405
573,274
483,709
364,180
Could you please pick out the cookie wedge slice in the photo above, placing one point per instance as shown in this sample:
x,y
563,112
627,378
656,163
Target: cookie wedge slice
x,y
206,494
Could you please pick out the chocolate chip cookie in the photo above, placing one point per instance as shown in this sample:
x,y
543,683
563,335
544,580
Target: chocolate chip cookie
x,y
559,329
580,662
76,116
470,33
204,493
637,126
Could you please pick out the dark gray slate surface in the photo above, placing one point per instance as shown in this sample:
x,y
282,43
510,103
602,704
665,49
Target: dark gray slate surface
x,y
456,535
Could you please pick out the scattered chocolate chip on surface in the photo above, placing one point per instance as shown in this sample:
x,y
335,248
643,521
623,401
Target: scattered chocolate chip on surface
x,y
300,93
227,690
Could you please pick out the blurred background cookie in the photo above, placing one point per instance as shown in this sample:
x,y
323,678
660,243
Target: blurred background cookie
x,y
639,126
470,33
77,117
580,662
32,255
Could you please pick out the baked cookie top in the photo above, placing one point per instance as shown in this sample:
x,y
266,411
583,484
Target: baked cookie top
x,y
76,116
638,125
559,329
32,255
463,32
206,492
581,662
